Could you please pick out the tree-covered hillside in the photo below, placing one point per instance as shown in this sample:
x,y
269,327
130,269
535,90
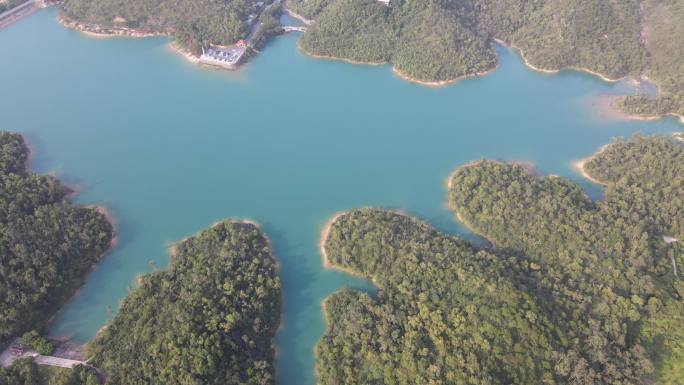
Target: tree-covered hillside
x,y
605,263
663,31
437,40
208,319
47,245
194,23
573,292
433,40
446,312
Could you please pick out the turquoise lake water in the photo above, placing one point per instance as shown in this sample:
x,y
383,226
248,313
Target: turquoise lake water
x,y
169,148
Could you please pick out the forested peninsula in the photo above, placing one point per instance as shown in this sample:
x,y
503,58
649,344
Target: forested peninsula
x,y
209,318
47,245
571,291
193,23
436,42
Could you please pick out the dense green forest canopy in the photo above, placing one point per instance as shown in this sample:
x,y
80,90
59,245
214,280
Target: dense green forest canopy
x,y
47,245
446,313
663,32
438,40
194,23
26,372
208,319
573,292
605,263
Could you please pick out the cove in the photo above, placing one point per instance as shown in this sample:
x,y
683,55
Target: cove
x,y
288,141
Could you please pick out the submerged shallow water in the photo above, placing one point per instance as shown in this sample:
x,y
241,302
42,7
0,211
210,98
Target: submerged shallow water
x,y
169,148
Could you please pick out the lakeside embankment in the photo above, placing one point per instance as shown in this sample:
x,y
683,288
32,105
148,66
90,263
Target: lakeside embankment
x,y
189,56
21,11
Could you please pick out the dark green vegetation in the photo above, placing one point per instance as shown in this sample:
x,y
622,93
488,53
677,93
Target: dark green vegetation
x,y
435,40
664,32
9,4
208,319
47,245
194,23
33,340
573,292
446,312
26,372
441,40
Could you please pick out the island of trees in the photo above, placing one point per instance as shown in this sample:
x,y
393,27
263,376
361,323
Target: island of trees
x,y
47,245
571,291
209,318
440,41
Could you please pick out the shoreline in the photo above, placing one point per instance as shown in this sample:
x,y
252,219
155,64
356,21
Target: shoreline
x,y
555,71
442,83
103,32
113,222
323,238
608,104
335,58
397,72
453,208
622,114
295,15
579,166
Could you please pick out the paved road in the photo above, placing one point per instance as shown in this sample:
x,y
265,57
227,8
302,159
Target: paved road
x,y
56,361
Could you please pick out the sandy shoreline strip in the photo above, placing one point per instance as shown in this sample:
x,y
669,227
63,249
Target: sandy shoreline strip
x,y
579,166
325,233
297,16
189,56
335,58
440,83
113,222
527,62
616,110
451,207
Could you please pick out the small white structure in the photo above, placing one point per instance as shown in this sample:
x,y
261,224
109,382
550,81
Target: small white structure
x,y
227,57
669,239
386,2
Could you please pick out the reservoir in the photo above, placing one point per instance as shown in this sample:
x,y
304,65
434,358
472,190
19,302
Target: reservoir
x,y
170,148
